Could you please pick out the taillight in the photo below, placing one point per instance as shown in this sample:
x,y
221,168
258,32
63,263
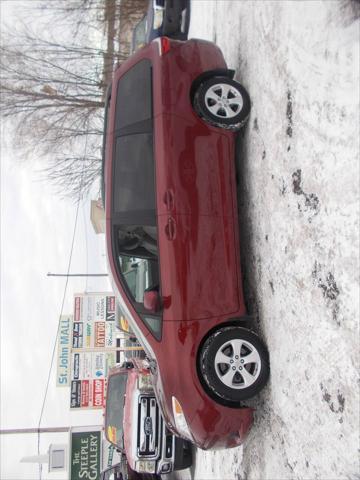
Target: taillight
x,y
164,45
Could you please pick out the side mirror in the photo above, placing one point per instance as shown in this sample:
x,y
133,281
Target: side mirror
x,y
152,300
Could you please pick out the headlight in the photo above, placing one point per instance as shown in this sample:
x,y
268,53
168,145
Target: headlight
x,y
180,420
145,466
144,383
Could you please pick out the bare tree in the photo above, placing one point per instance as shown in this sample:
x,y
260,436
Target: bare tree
x,y
54,94
79,15
72,175
53,91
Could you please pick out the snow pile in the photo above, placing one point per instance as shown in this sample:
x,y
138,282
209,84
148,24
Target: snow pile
x,y
299,222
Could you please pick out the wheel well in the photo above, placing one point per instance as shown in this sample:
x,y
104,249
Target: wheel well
x,y
244,322
219,72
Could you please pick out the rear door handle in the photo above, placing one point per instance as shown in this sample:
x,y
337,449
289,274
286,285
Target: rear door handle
x,y
170,229
169,200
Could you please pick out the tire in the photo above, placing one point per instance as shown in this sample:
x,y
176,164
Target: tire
x,y
222,102
183,454
223,360
187,460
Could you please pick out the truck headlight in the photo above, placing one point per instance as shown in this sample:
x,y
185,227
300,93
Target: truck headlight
x,y
144,383
145,466
180,420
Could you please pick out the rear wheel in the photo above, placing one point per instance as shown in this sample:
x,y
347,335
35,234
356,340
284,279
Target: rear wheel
x,y
222,102
233,365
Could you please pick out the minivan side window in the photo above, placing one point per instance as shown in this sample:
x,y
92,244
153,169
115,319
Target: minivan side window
x,y
138,267
139,274
134,182
134,96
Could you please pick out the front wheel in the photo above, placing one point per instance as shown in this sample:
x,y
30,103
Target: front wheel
x,y
233,365
222,102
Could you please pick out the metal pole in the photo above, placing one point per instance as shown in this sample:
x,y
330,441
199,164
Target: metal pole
x,y
77,275
106,350
35,430
40,430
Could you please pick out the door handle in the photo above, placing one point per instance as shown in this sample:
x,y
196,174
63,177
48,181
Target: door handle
x,y
170,229
169,200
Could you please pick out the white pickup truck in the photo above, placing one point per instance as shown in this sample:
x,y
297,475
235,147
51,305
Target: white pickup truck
x,y
134,424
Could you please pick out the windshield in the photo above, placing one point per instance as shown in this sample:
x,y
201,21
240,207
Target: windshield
x,y
115,400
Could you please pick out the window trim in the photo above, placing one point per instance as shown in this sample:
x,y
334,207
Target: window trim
x,y
103,148
140,217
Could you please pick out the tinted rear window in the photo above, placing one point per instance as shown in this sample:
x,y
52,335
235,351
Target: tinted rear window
x,y
133,101
134,188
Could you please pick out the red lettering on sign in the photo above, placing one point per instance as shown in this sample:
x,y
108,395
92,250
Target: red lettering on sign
x,y
98,393
77,309
100,332
112,304
85,393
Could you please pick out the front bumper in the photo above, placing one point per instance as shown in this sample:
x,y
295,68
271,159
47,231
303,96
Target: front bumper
x,y
212,426
175,452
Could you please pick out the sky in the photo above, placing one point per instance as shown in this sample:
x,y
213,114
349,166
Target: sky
x,y
36,234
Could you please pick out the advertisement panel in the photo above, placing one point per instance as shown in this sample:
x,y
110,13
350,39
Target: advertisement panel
x,y
88,365
85,454
94,307
93,328
88,393
94,320
63,351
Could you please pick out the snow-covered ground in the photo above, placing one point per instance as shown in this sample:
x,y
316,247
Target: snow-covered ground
x,y
298,162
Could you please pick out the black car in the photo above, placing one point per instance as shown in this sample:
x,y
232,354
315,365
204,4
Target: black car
x,y
169,18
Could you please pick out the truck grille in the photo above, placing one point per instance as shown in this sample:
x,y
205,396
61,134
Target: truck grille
x,y
148,441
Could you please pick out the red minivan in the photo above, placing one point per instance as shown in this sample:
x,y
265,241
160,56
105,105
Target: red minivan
x,y
172,234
